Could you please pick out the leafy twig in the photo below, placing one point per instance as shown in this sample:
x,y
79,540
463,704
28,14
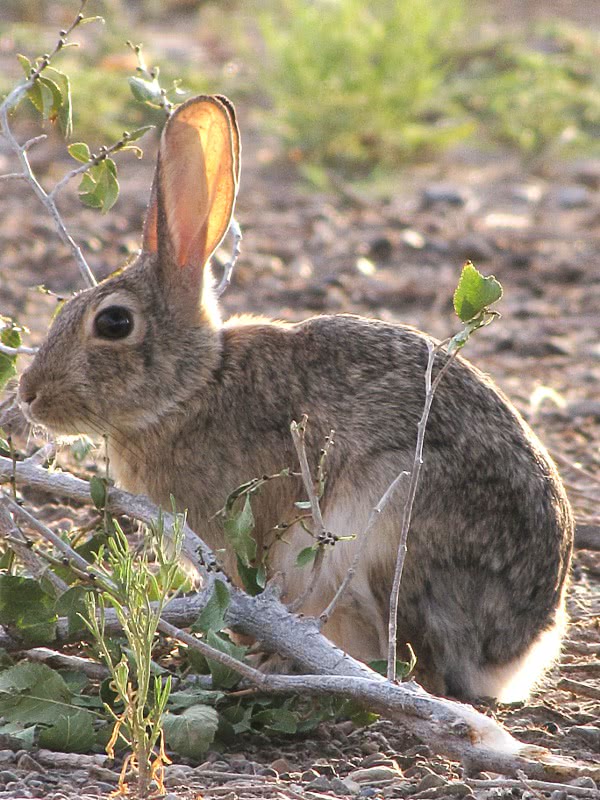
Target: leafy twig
x,y
20,150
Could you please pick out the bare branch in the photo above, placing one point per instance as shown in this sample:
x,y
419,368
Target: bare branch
x,y
22,549
236,232
298,430
362,544
117,502
448,727
17,351
408,506
44,655
544,786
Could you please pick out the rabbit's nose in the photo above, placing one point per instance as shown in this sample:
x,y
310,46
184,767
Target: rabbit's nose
x,y
27,392
27,396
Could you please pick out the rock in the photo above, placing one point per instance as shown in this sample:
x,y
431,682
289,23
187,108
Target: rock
x,y
377,759
380,249
324,767
29,764
345,728
371,774
339,787
413,239
431,781
558,794
280,765
584,408
369,747
527,192
588,173
352,787
321,783
573,197
474,247
444,193
585,782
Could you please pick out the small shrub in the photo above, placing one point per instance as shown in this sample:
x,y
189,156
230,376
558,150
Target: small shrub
x,y
359,82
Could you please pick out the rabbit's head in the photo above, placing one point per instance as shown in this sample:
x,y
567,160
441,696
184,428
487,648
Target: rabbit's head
x,y
121,355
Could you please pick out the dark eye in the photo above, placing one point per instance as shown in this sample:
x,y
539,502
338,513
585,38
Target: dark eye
x,y
114,322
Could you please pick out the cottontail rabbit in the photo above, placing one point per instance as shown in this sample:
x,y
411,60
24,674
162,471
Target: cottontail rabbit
x,y
193,407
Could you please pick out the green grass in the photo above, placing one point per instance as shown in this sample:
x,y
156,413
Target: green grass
x,y
359,83
538,98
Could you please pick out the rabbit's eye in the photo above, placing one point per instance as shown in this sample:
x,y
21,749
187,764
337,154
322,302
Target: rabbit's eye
x,y
114,322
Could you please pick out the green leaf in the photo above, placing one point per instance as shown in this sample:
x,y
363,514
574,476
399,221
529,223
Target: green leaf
x,y
403,668
51,98
212,616
306,556
279,720
25,63
99,187
15,735
475,293
79,151
253,578
98,492
238,528
223,677
65,111
190,734
72,605
32,693
192,697
69,733
139,132
145,91
10,335
25,605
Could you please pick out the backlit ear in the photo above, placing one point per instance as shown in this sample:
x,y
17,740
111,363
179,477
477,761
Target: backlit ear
x,y
196,182
150,236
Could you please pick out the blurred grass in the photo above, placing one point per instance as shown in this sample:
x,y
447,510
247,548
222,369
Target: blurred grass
x,y
340,82
360,83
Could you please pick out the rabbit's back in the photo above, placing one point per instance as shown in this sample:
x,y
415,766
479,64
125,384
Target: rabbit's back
x,y
491,532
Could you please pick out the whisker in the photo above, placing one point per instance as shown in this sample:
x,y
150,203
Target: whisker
x,y
103,426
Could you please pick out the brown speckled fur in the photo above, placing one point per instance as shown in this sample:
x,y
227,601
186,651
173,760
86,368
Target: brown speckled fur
x,y
194,407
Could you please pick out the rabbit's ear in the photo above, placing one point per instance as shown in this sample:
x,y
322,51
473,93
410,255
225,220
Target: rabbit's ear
x,y
195,184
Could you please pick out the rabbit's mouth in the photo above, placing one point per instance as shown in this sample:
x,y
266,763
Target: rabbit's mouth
x,y
39,412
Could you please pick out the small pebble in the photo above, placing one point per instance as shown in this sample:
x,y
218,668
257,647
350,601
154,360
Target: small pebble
x,y
280,765
320,783
431,781
324,767
29,764
375,774
573,197
444,193
369,747
374,758
558,794
351,786
585,782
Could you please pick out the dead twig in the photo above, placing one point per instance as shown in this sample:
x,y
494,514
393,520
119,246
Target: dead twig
x,y
579,688
430,389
